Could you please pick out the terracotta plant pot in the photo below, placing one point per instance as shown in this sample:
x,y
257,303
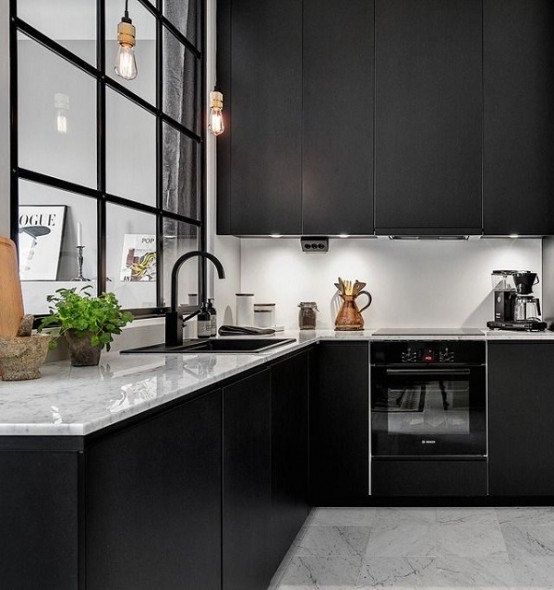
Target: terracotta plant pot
x,y
22,357
81,352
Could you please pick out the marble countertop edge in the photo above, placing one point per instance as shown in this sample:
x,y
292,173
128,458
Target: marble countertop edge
x,y
70,401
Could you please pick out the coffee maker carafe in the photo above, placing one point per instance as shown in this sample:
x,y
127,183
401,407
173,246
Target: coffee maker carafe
x,y
526,308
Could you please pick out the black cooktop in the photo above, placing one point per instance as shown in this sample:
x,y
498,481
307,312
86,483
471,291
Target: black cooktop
x,y
429,332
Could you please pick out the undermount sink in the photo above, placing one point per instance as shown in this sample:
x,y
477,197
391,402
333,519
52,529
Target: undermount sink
x,y
214,345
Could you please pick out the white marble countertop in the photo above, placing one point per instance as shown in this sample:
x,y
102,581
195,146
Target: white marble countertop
x,y
70,401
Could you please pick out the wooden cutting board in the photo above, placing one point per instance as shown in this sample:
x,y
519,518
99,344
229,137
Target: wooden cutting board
x,y
11,301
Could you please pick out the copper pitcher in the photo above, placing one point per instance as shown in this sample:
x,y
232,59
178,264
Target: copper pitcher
x,y
349,316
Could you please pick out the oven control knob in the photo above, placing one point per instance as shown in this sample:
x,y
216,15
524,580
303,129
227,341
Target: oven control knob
x,y
446,356
410,356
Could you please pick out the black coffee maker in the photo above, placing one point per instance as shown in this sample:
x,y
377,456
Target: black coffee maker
x,y
504,294
524,282
513,288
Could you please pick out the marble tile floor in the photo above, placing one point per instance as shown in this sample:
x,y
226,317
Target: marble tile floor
x,y
421,548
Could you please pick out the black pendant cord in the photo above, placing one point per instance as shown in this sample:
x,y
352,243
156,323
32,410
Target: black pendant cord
x,y
126,14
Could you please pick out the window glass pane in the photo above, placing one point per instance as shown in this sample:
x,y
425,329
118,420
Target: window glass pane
x,y
131,256
57,115
181,173
178,239
145,49
181,83
71,23
130,150
185,16
51,223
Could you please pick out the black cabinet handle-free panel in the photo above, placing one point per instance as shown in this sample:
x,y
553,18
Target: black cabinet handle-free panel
x,y
428,127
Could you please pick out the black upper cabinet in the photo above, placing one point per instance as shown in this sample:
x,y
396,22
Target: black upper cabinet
x,y
260,175
428,128
297,154
519,117
521,406
338,89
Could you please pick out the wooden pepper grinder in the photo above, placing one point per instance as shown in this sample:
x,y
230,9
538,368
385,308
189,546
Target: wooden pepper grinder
x,y
350,317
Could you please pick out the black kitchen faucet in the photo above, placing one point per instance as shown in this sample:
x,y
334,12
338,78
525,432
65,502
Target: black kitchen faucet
x,y
174,318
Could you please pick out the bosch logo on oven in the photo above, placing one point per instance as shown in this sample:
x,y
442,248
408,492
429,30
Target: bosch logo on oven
x,y
428,442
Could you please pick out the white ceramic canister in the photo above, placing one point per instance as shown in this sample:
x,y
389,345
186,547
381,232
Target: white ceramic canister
x,y
264,315
245,309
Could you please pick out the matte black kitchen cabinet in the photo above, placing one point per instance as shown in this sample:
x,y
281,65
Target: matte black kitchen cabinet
x,y
339,428
265,474
247,563
518,73
338,91
153,502
39,511
289,452
260,153
521,406
428,117
297,154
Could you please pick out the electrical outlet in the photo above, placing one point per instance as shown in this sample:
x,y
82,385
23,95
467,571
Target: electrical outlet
x,y
314,244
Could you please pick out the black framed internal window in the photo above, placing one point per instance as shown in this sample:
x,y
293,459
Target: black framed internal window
x,y
115,166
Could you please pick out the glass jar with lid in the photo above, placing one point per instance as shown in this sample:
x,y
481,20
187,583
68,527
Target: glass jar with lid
x,y
306,316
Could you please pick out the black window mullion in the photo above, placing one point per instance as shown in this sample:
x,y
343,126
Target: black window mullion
x,y
100,194
114,85
66,185
14,131
101,224
200,113
157,12
159,161
89,69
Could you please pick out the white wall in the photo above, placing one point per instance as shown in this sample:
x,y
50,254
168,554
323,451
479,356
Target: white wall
x,y
4,120
413,283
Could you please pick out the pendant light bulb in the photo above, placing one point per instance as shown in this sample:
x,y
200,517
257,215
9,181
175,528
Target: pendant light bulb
x,y
216,126
125,62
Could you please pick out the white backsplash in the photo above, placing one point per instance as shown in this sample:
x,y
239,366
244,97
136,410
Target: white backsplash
x,y
413,283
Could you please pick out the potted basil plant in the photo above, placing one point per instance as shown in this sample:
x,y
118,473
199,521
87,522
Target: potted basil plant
x,y
88,323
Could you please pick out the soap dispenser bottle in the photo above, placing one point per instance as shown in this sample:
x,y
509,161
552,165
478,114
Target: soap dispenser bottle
x,y
204,322
213,316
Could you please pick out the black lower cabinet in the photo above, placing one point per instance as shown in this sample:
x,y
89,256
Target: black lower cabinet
x,y
429,478
153,502
247,483
521,407
339,425
39,504
289,453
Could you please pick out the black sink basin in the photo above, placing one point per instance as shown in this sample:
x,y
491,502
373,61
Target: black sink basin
x,y
214,345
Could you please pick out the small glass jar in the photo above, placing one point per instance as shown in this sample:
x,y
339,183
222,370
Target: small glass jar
x,y
306,316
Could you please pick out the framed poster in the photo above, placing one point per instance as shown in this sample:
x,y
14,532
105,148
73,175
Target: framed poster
x,y
40,241
138,262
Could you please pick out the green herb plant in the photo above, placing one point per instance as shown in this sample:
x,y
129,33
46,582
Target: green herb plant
x,y
79,311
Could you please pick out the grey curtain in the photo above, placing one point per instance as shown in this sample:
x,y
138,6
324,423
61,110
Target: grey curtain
x,y
181,173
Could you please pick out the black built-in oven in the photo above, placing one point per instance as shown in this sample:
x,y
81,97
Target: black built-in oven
x,y
428,402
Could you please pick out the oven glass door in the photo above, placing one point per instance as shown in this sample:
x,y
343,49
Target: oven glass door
x,y
428,411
